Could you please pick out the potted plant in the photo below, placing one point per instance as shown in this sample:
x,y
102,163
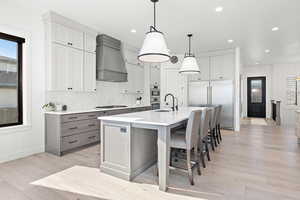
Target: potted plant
x,y
49,106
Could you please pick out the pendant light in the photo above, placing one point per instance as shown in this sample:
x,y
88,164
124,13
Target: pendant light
x,y
154,48
189,64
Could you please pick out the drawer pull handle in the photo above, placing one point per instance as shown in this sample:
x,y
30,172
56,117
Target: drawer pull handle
x,y
90,125
92,137
92,115
72,117
74,141
73,128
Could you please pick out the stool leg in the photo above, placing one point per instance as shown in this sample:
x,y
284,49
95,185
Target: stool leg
x,y
207,150
189,166
217,135
197,158
202,159
212,142
219,129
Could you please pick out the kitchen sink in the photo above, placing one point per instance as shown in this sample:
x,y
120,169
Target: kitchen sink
x,y
162,110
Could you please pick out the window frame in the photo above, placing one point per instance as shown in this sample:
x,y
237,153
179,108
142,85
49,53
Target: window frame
x,y
20,42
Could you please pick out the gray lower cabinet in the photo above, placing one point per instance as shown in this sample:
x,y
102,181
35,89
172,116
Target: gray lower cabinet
x,y
67,132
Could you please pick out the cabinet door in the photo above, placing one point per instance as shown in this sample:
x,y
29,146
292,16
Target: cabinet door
x,y
60,34
135,79
154,75
216,67
203,63
75,69
228,67
90,42
59,68
175,83
204,68
75,38
89,72
67,36
222,67
139,79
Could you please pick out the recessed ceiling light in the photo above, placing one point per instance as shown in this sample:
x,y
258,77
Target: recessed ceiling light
x,y
133,31
230,41
275,28
219,9
257,63
267,51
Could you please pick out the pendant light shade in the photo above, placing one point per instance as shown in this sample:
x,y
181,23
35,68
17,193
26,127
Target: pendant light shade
x,y
189,64
154,48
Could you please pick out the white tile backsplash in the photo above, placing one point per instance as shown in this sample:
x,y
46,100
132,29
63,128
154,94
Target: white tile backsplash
x,y
108,93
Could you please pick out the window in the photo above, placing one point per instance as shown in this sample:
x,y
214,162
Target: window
x,y
11,57
256,91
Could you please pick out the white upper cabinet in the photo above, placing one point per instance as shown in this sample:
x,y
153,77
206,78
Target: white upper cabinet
x,y
75,69
67,36
66,70
58,72
135,79
154,76
89,72
70,55
90,42
60,34
222,67
175,83
203,63
215,67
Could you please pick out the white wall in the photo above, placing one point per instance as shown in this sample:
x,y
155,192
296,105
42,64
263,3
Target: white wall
x,y
255,71
280,73
29,138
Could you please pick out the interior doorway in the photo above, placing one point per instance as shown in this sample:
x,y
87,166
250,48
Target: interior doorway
x,y
256,97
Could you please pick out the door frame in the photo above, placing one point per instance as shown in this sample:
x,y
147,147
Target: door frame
x,y
264,78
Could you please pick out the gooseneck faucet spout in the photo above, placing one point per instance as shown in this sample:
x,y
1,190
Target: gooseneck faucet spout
x,y
173,100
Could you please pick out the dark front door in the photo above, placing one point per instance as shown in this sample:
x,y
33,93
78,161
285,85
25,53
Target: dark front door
x,y
256,96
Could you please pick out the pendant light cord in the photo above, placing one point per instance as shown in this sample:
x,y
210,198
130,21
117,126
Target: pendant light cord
x,y
153,27
189,45
154,6
190,36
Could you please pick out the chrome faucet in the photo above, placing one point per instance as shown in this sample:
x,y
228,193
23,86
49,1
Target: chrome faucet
x,y
173,101
176,107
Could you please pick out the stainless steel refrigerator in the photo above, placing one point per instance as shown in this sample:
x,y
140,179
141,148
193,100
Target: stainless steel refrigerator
x,y
214,92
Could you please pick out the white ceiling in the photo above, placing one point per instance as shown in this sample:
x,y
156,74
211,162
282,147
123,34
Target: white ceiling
x,y
247,22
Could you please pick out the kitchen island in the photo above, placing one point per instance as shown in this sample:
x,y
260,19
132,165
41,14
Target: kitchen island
x,y
131,143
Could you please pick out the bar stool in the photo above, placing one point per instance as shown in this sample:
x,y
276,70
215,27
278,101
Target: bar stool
x,y
218,122
189,143
204,138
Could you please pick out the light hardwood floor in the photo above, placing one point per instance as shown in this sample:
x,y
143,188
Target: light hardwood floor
x,y
260,162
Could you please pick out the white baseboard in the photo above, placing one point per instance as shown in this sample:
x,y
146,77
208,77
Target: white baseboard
x,y
22,154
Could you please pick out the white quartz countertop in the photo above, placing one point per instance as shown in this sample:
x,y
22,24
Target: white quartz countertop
x,y
92,110
152,117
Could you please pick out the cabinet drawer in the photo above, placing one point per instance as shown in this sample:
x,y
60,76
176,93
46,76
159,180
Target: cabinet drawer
x,y
73,141
77,117
70,142
90,137
71,128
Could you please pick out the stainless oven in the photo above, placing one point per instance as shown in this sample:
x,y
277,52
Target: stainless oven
x,y
155,92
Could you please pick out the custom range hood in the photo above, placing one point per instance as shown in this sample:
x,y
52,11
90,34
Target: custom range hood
x,y
109,60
